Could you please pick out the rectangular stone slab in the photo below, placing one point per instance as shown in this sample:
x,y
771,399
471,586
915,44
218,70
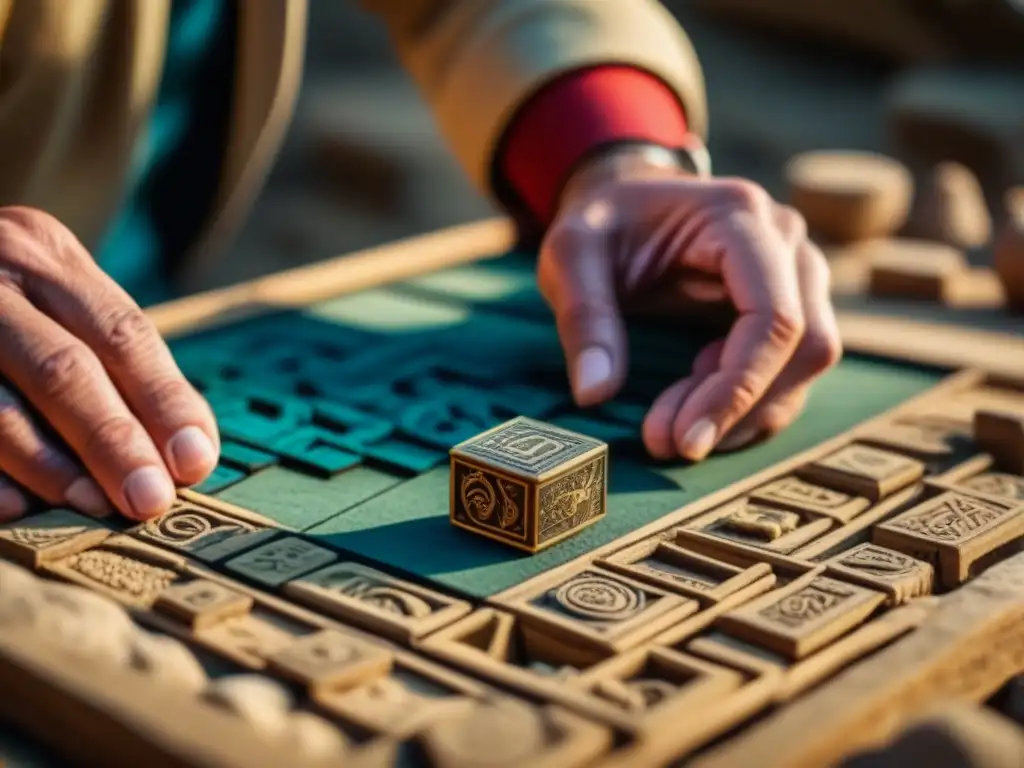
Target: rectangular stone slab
x,y
966,650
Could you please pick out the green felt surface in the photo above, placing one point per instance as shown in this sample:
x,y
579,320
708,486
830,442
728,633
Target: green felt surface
x,y
383,382
407,527
298,501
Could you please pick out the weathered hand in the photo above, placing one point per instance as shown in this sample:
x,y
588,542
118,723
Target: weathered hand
x,y
658,237
77,351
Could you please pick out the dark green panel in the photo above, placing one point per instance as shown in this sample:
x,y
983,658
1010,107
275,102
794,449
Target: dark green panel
x,y
407,527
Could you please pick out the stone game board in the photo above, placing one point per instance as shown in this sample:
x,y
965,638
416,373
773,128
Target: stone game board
x,y
767,606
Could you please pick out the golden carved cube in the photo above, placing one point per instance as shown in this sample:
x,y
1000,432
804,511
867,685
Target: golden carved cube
x,y
528,484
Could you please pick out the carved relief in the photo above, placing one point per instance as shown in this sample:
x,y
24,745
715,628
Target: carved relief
x,y
763,522
249,640
280,561
376,601
809,604
878,561
573,500
792,492
527,446
803,616
202,532
201,603
492,502
995,484
760,525
637,695
592,597
126,580
898,574
359,585
331,659
955,529
49,536
864,471
950,518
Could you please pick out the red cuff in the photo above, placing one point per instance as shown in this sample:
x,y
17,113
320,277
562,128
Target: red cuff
x,y
574,115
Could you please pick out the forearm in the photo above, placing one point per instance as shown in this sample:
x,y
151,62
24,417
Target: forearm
x,y
478,63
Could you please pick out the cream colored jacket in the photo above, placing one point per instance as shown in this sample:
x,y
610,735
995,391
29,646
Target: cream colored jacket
x,y
78,79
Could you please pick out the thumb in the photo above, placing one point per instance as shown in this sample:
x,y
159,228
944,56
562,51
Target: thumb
x,y
577,277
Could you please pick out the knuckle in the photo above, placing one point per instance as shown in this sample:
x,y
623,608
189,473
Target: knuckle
x,y
778,416
33,241
13,418
174,395
126,330
62,370
785,327
745,194
745,391
115,432
820,350
790,221
563,243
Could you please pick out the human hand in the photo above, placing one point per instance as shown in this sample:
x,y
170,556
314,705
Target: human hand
x,y
76,350
649,235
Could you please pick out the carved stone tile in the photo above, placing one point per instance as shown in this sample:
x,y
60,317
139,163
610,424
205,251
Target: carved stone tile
x,y
676,569
954,528
600,610
50,535
128,580
803,616
206,534
281,560
658,688
899,575
793,493
376,601
862,470
251,639
924,437
762,525
202,603
994,484
331,660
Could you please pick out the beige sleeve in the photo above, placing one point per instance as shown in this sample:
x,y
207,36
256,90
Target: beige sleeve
x,y
476,61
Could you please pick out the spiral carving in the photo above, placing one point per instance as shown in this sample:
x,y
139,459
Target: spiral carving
x,y
478,496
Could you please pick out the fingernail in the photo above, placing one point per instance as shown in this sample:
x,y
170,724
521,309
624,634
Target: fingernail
x,y
698,442
739,439
13,503
149,492
190,453
593,369
85,496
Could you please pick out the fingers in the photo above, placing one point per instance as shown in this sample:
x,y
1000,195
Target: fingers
x,y
140,365
818,350
31,459
757,264
576,276
657,427
68,386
